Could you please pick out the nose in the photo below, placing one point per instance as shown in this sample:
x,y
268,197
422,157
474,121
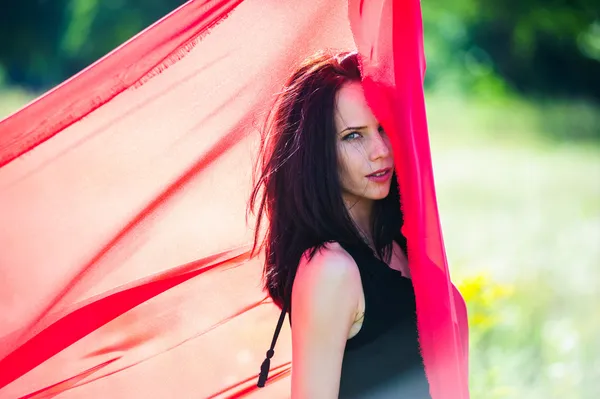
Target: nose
x,y
379,147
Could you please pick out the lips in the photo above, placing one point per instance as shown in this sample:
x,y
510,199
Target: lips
x,y
379,171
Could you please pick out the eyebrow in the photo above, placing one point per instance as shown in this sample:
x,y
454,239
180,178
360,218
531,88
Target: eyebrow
x,y
353,128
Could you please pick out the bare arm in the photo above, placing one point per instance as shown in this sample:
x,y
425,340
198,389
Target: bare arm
x,y
325,302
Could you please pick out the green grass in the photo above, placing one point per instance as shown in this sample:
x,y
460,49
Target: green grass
x,y
522,206
518,187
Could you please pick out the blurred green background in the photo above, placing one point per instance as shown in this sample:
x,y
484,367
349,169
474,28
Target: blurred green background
x,y
513,99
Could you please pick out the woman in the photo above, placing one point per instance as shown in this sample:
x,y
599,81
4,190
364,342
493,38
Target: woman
x,y
334,251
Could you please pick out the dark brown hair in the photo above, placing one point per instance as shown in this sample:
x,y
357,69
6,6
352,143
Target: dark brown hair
x,y
298,169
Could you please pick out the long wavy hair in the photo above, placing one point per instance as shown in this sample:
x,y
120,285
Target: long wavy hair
x,y
298,170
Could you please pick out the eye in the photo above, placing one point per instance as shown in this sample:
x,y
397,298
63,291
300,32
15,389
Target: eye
x,y
347,137
381,129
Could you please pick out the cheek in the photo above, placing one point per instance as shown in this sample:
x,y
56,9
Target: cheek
x,y
350,171
389,146
352,161
344,168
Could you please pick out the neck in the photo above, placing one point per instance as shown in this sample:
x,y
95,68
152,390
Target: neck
x,y
361,212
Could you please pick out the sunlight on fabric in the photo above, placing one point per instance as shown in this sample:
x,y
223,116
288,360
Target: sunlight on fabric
x,y
124,261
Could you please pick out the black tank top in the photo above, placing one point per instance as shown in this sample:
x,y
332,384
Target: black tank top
x,y
382,361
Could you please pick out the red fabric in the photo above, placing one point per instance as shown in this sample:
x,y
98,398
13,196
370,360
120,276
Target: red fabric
x,y
124,244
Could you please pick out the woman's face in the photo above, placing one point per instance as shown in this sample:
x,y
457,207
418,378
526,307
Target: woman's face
x,y
363,146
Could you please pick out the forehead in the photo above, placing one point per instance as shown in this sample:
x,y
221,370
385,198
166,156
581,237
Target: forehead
x,y
351,108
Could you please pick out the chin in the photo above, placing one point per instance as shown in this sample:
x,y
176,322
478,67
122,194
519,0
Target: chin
x,y
373,193
378,197
378,194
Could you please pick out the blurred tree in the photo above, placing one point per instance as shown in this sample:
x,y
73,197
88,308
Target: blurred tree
x,y
539,47
43,42
540,51
486,47
29,32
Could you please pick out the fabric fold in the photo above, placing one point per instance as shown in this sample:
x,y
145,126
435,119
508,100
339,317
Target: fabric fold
x,y
123,192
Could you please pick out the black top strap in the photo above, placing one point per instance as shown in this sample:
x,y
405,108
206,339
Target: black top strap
x,y
266,364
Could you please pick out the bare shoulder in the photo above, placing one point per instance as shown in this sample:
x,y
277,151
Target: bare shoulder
x,y
329,282
325,297
330,264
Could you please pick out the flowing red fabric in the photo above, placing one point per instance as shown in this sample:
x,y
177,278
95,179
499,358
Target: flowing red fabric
x,y
124,248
